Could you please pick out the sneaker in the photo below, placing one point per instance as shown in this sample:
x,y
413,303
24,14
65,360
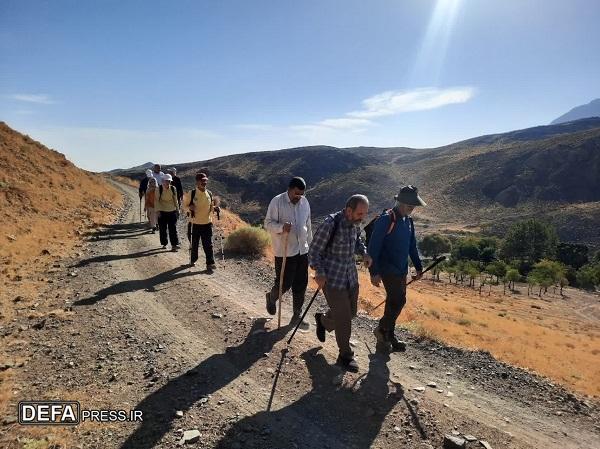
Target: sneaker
x,y
348,363
211,266
153,231
164,246
383,343
320,328
174,248
397,345
304,325
271,306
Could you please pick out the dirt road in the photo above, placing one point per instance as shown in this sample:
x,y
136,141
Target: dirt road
x,y
197,351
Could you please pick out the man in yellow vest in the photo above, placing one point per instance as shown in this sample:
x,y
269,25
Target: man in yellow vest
x,y
199,205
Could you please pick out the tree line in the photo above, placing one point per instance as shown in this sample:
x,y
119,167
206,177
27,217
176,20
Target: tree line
x,y
529,252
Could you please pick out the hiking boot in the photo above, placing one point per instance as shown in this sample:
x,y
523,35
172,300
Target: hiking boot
x,y
304,325
320,328
271,306
383,343
397,345
211,266
164,246
348,363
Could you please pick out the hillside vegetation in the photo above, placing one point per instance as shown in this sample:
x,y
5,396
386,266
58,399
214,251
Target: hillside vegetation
x,y
485,183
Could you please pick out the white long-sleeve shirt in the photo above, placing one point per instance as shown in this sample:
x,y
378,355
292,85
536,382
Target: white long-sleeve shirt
x,y
282,210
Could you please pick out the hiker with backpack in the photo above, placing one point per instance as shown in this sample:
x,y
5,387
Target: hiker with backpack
x,y
288,223
199,206
167,207
144,184
391,241
150,204
176,183
331,255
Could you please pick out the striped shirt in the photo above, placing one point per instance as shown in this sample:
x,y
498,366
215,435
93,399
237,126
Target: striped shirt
x,y
336,260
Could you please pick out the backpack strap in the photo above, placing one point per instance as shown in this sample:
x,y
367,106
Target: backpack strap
x,y
192,195
336,223
392,214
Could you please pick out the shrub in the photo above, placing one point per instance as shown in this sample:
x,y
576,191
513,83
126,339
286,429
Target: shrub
x,y
249,240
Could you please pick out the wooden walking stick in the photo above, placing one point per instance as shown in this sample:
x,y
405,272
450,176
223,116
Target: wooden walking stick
x,y
281,276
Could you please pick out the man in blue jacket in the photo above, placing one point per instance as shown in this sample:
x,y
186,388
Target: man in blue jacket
x,y
391,243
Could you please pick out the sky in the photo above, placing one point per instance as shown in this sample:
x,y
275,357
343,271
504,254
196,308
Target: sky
x,y
114,84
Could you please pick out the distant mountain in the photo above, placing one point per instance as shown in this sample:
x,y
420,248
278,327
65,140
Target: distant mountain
x,y
142,168
592,109
485,183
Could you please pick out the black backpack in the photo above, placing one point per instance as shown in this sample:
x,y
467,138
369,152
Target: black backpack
x,y
371,225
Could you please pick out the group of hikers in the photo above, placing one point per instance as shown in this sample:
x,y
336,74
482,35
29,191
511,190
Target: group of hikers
x,y
330,252
164,200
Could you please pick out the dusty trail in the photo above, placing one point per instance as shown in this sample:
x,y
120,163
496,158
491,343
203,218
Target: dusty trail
x,y
148,332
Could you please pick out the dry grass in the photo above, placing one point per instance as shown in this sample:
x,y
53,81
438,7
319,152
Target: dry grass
x,y
555,341
48,204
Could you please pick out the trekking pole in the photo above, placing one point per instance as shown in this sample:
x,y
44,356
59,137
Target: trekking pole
x,y
220,233
140,209
303,315
431,266
191,228
281,276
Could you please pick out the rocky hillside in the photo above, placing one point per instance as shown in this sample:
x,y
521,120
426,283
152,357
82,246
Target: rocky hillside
x,y
47,203
483,183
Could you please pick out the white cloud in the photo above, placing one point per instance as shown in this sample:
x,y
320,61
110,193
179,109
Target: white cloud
x,y
389,103
32,98
345,123
396,102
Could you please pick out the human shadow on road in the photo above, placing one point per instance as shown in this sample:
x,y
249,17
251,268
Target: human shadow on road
x,y
136,284
208,377
118,231
326,416
113,257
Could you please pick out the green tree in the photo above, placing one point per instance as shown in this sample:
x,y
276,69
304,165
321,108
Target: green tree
x,y
572,254
496,268
472,271
433,245
512,276
588,276
528,242
466,249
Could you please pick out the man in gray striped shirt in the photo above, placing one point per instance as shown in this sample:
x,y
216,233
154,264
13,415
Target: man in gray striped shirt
x,y
289,214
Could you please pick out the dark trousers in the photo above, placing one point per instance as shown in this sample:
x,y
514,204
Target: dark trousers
x,y
168,220
395,299
202,232
342,304
295,276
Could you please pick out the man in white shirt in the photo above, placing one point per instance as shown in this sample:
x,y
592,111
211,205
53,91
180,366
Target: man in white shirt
x,y
289,213
157,174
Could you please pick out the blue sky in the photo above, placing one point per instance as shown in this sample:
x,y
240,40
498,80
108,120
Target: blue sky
x,y
118,83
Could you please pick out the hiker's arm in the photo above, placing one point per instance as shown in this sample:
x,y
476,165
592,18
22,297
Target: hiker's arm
x,y
318,246
376,243
186,202
271,223
413,252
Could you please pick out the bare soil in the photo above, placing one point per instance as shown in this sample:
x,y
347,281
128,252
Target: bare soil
x,y
128,325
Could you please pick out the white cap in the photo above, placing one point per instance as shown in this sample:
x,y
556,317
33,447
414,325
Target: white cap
x,y
167,177
148,173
